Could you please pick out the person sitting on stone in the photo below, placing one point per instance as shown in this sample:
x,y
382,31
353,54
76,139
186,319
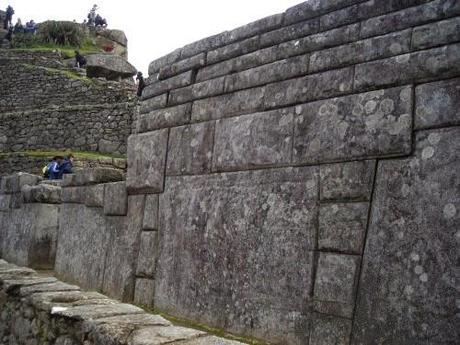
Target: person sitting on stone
x,y
31,27
8,18
66,166
18,27
100,22
53,170
140,84
80,60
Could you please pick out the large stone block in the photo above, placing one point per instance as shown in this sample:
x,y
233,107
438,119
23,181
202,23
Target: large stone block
x,y
115,199
412,16
256,140
327,330
150,221
95,196
190,149
153,103
408,286
239,102
289,33
92,176
123,249
436,63
314,8
162,86
168,59
309,88
372,8
231,234
372,124
42,193
148,253
437,104
232,50
262,25
81,256
342,227
168,117
74,195
204,89
144,292
191,63
341,17
434,34
365,50
335,283
146,161
347,181
275,71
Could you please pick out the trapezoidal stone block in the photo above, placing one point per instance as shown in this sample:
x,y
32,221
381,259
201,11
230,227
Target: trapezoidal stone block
x,y
146,162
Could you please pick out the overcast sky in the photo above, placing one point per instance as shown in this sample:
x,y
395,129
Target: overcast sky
x,y
155,27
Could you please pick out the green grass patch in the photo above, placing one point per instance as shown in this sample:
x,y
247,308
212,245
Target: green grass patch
x,y
205,328
77,154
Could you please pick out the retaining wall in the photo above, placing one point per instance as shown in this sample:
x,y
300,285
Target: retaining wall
x,y
304,168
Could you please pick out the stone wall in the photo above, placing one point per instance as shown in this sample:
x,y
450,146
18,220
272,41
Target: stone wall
x,y
300,175
41,310
44,105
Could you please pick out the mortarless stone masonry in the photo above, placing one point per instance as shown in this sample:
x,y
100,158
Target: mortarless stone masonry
x,y
293,180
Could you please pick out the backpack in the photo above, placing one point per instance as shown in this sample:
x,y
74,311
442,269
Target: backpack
x,y
45,171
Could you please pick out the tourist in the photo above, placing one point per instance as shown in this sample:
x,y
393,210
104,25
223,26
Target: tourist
x,y
92,16
18,28
31,27
100,22
53,168
80,60
8,18
140,84
66,166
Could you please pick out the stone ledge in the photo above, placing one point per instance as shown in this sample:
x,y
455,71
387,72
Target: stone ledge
x,y
66,315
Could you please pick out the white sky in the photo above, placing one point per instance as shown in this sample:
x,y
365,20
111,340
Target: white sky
x,y
154,27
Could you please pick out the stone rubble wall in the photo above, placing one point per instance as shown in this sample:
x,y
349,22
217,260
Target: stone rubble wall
x,y
45,106
44,311
300,175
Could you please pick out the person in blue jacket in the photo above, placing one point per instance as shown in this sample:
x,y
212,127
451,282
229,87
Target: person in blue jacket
x,y
53,170
66,166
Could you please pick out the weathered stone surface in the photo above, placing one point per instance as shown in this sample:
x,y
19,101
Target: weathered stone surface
x,y
313,8
434,34
275,71
144,292
342,227
148,253
150,221
441,62
412,16
146,161
153,103
347,181
42,193
308,88
210,340
10,184
119,277
437,104
73,195
341,17
232,50
168,59
365,50
162,335
75,262
136,320
251,222
190,149
335,283
328,330
163,86
111,67
94,196
289,33
181,66
376,123
204,89
97,175
205,44
168,117
255,140
38,288
115,199
257,27
239,102
86,312
408,283
372,8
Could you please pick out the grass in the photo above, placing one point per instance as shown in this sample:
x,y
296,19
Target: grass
x,y
205,328
64,72
77,154
88,47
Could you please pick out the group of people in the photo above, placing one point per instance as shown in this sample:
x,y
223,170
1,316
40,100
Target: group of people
x,y
29,28
94,19
57,167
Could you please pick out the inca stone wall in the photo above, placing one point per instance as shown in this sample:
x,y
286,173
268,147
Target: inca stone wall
x,y
301,175
46,106
42,310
